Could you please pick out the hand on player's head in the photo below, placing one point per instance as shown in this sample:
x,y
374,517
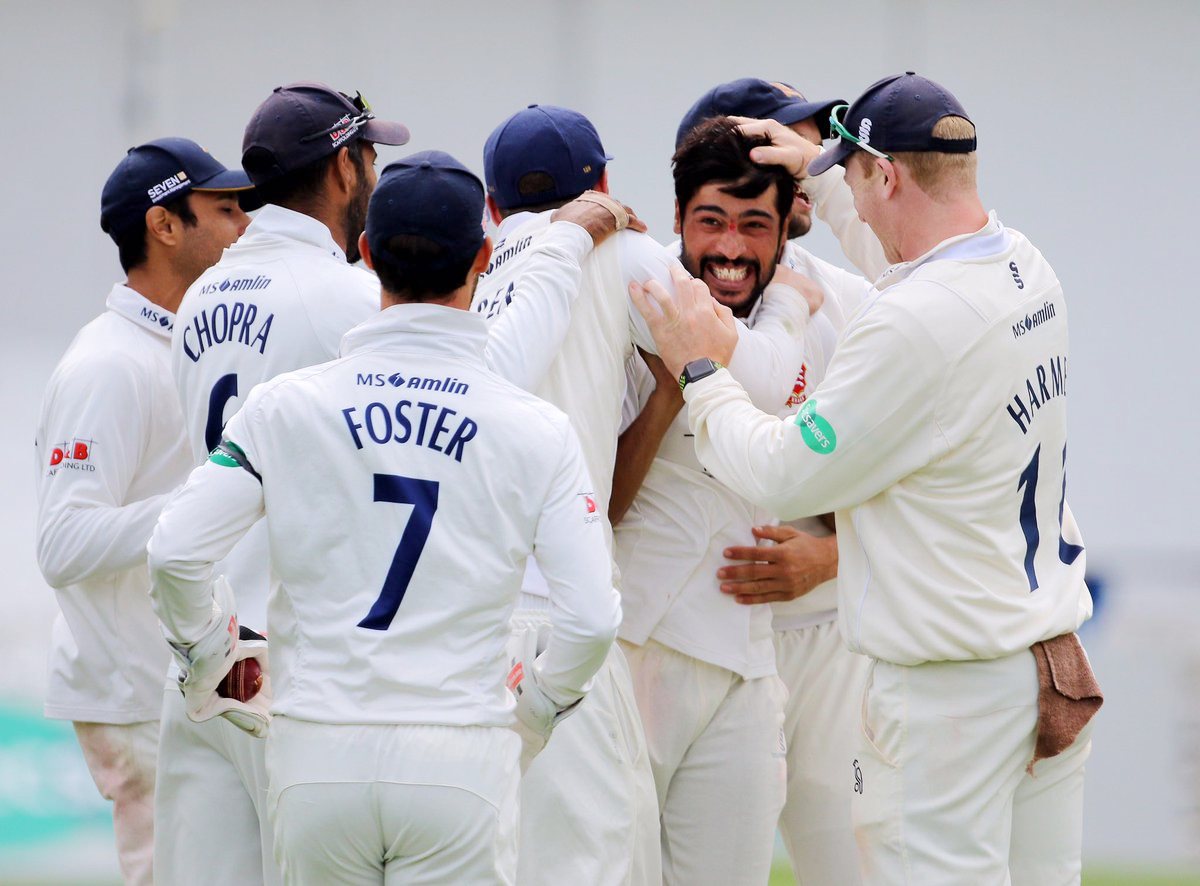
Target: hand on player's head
x,y
788,148
688,325
813,294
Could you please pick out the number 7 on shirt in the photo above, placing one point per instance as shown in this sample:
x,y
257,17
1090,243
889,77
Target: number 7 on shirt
x,y
423,496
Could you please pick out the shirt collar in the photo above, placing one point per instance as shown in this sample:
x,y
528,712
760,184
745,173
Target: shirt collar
x,y
510,223
276,221
423,328
990,240
135,307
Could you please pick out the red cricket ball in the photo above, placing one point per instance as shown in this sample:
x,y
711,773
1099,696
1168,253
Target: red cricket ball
x,y
243,681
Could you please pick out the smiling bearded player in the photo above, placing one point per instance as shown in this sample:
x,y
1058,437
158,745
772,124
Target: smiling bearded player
x,y
703,665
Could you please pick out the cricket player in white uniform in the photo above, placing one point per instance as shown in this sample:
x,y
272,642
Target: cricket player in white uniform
x,y
960,565
704,666
390,755
109,451
281,299
536,159
793,565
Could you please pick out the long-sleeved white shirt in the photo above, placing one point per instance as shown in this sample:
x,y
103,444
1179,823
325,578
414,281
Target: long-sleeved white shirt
x,y
108,452
282,297
399,517
939,438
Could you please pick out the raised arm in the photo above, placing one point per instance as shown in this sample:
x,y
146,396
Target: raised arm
x,y
526,336
830,195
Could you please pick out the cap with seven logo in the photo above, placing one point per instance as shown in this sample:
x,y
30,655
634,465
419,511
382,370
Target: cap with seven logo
x,y
430,195
760,99
896,114
560,143
300,123
158,171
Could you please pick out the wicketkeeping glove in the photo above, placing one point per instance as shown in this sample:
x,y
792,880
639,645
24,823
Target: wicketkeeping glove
x,y
537,714
254,714
205,663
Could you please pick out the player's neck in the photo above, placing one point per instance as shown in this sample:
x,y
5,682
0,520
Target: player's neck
x,y
459,299
332,217
938,223
159,285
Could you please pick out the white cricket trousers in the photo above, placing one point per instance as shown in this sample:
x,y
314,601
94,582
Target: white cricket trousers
x,y
393,804
825,681
210,804
120,758
717,751
589,815
944,796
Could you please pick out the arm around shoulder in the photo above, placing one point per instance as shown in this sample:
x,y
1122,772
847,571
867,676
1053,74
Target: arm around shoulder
x,y
524,339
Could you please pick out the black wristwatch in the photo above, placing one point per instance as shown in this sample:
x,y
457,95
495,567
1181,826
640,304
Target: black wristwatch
x,y
696,370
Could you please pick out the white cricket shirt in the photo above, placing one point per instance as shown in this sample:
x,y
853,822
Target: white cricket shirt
x,y
108,452
400,517
669,544
939,438
281,298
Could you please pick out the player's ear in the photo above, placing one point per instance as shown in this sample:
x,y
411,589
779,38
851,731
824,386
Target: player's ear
x,y
602,184
888,168
678,226
343,171
162,226
482,257
364,249
494,211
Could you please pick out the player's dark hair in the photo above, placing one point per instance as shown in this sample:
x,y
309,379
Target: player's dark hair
x,y
716,151
539,183
415,270
300,188
131,243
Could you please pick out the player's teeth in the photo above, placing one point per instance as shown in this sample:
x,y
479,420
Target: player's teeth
x,y
731,274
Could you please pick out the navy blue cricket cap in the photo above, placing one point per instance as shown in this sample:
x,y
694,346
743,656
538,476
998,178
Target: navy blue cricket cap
x,y
159,171
301,123
760,99
897,114
558,142
430,195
